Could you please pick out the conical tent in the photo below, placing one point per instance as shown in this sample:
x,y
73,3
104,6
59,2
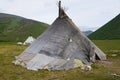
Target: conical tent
x,y
59,47
29,40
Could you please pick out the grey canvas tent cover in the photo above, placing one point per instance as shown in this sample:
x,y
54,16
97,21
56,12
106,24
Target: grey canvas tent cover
x,y
59,46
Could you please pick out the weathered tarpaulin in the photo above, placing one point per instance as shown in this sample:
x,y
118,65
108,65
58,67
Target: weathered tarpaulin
x,y
59,46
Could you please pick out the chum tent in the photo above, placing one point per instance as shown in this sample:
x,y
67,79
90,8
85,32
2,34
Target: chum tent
x,y
60,47
29,40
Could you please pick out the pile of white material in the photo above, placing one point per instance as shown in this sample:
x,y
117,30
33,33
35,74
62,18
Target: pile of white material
x,y
19,43
86,68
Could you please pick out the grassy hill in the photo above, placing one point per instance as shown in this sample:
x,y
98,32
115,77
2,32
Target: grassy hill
x,y
109,31
14,28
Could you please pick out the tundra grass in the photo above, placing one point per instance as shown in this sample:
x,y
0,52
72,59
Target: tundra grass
x,y
101,70
106,45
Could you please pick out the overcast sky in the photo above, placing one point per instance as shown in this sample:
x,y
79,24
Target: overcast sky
x,y
86,14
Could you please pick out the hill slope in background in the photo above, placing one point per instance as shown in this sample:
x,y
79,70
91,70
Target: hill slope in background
x,y
87,32
14,28
109,31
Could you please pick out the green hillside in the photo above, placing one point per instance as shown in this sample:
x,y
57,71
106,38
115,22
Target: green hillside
x,y
14,28
109,31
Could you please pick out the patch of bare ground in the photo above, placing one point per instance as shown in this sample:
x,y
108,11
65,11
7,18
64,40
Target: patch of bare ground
x,y
54,77
106,62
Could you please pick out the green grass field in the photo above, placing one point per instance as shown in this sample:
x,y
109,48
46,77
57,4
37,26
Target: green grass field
x,y
102,70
